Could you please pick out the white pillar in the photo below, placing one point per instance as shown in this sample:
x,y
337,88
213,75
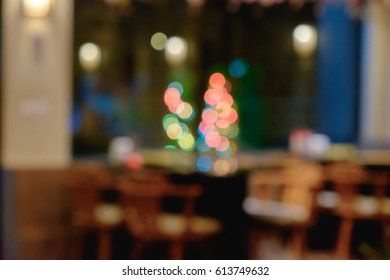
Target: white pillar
x,y
375,100
36,86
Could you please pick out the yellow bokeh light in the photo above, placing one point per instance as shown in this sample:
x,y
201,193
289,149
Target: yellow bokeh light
x,y
221,167
174,131
158,41
168,120
184,110
187,142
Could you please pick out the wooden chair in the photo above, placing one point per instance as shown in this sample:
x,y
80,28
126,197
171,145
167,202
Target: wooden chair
x,y
285,198
148,222
90,212
349,204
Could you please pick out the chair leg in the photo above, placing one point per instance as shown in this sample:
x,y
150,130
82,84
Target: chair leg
x,y
138,247
299,242
254,244
104,245
344,239
76,247
386,233
176,250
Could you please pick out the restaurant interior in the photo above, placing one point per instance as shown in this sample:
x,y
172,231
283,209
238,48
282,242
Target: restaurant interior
x,y
195,129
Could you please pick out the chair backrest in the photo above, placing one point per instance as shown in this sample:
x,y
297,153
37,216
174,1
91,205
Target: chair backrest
x,y
291,187
291,184
86,184
143,202
346,178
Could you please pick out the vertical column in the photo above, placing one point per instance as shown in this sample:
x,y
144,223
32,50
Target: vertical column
x,y
337,93
36,66
375,99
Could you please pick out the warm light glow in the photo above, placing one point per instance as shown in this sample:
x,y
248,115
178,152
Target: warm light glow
x,y
223,145
213,96
213,139
36,8
305,40
174,131
184,110
90,56
217,80
176,50
303,33
158,41
206,128
222,123
223,109
195,3
135,161
209,116
221,167
218,127
232,117
172,98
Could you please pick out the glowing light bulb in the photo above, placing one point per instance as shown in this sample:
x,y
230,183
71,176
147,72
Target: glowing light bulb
x,y
176,50
90,56
305,40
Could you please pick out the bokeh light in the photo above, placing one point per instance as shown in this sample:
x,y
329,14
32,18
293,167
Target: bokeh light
x,y
174,131
209,116
174,128
172,97
158,41
187,142
223,109
225,154
90,56
305,40
221,167
201,145
177,86
169,119
223,145
184,110
218,127
213,96
204,163
217,80
238,68
205,128
213,139
176,50
170,147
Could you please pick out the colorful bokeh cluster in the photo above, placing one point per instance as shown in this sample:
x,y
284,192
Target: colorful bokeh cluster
x,y
174,123
218,128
